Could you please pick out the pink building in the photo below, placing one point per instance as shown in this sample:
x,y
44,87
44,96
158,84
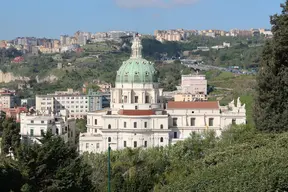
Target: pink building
x,y
194,84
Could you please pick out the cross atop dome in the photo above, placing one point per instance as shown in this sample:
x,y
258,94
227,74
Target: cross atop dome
x,y
136,47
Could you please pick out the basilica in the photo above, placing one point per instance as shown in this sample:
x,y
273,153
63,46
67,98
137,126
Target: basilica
x,y
138,117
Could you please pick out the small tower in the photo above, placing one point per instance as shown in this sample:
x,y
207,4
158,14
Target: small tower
x,y
238,102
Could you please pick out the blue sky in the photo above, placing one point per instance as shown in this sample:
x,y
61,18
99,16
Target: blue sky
x,y
52,18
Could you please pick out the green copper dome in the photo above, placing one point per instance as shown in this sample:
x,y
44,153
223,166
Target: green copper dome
x,y
136,69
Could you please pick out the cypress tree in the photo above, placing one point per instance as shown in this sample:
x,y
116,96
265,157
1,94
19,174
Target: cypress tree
x,y
271,102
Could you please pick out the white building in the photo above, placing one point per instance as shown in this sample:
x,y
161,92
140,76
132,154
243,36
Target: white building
x,y
75,102
33,125
137,117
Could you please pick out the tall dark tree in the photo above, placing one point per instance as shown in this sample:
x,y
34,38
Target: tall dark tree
x,y
10,177
2,119
53,166
11,136
271,103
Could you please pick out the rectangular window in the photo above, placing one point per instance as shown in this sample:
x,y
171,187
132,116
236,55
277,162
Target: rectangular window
x,y
174,121
32,121
42,132
42,122
145,143
31,132
125,144
87,145
145,124
192,122
136,99
95,121
97,145
233,121
135,144
125,124
135,124
175,135
146,99
211,121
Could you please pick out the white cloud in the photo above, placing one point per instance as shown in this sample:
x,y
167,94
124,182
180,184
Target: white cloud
x,y
152,3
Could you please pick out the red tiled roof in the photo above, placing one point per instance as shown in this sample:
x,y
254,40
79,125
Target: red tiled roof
x,y
193,105
15,110
136,112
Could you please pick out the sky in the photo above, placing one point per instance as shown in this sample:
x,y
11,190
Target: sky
x,y
52,18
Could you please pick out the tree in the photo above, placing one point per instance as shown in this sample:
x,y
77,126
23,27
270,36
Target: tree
x,y
81,125
271,103
10,177
94,87
53,166
2,119
11,136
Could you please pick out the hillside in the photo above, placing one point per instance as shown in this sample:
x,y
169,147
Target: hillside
x,y
102,60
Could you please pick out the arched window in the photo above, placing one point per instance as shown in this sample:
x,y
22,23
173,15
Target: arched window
x,y
109,126
109,139
161,139
161,126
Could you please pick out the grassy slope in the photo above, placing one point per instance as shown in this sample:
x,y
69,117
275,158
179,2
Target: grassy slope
x,y
243,86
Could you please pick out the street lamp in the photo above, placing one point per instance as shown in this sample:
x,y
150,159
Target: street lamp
x,y
109,167
109,187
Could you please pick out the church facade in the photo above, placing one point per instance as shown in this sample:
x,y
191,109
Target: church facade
x,y
137,116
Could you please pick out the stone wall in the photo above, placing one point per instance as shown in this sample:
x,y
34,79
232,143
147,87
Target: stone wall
x,y
8,77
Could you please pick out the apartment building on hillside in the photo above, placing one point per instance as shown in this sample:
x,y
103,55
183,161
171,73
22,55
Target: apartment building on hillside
x,y
78,104
8,99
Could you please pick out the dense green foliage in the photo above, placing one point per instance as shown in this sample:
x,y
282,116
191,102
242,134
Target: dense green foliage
x,y
7,54
51,166
10,177
271,105
242,160
10,136
81,125
170,74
